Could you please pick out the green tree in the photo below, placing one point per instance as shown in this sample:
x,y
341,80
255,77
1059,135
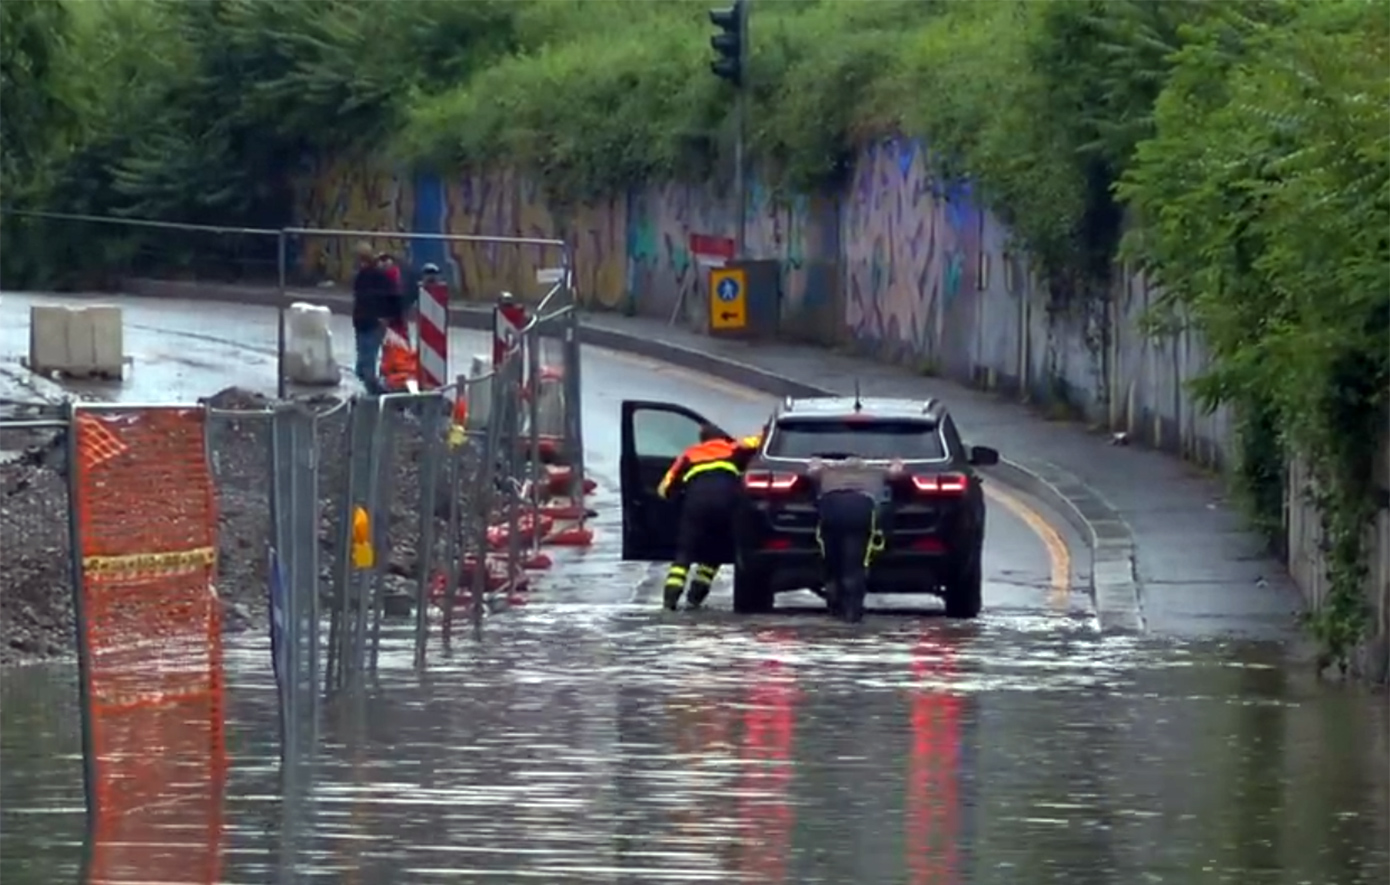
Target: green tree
x,y
1264,208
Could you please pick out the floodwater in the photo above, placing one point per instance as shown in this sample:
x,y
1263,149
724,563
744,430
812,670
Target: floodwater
x,y
617,744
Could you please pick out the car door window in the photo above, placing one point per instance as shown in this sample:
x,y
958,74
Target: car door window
x,y
664,434
952,436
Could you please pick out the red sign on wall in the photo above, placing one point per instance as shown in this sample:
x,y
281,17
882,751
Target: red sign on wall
x,y
711,251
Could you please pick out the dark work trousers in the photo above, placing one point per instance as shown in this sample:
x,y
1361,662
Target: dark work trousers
x,y
848,522
705,537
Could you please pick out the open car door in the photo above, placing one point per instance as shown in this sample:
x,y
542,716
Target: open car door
x,y
654,435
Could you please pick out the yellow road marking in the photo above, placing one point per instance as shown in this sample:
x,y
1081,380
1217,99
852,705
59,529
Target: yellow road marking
x,y
1059,556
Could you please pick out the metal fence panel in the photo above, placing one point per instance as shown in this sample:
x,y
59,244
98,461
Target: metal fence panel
x,y
294,492
149,632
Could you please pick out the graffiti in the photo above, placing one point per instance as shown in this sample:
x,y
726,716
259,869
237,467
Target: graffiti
x,y
347,194
342,194
911,248
506,204
661,218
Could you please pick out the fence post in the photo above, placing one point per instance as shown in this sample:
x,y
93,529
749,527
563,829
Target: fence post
x,y
294,503
379,507
282,259
79,607
533,462
454,549
574,423
433,421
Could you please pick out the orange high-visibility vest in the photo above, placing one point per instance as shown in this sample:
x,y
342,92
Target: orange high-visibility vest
x,y
703,456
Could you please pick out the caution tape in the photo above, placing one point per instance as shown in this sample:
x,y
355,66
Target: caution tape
x,y
148,563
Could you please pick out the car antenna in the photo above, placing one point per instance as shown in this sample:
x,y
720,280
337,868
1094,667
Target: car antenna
x,y
858,406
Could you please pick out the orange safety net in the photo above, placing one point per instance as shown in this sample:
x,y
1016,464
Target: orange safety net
x,y
152,635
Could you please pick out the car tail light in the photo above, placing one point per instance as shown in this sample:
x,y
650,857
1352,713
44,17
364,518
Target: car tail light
x,y
766,481
777,544
941,484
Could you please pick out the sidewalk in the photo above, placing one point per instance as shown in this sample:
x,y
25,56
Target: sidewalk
x,y
1170,553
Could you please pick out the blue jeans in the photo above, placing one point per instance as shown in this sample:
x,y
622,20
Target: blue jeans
x,y
369,343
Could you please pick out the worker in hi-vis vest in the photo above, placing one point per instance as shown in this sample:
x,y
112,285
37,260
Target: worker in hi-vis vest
x,y
707,475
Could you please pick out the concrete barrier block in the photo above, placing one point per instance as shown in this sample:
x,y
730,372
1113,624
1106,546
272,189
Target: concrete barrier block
x,y
478,396
79,341
48,337
107,327
309,345
81,349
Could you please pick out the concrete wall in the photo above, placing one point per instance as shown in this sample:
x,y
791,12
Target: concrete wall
x,y
1306,561
896,265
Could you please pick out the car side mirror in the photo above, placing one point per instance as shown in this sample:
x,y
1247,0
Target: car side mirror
x,y
984,456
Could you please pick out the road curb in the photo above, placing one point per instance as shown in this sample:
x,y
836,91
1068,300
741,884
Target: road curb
x,y
1113,581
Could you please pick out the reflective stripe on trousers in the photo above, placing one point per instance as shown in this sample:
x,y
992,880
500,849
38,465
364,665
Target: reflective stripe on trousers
x,y
703,577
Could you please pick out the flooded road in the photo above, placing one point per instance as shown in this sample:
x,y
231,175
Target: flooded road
x,y
617,744
590,737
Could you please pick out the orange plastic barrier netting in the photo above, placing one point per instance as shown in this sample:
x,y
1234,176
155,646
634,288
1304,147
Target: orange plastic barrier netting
x,y
151,631
160,795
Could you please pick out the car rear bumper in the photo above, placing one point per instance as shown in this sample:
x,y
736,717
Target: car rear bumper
x,y
893,571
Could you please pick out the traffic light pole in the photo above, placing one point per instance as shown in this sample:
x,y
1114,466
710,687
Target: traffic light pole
x,y
740,134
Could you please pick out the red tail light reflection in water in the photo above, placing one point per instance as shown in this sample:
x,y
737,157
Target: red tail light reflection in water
x,y
933,816
766,815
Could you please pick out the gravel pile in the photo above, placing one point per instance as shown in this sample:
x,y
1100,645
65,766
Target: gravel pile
x,y
35,589
36,618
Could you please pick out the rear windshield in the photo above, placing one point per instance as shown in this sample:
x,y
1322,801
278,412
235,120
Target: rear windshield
x,y
885,440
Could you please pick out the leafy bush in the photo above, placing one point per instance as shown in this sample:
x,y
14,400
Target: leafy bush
x,y
1264,207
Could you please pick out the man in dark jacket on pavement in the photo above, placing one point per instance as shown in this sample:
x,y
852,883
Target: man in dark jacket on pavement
x,y
374,305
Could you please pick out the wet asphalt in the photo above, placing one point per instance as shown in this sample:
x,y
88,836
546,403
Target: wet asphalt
x,y
588,736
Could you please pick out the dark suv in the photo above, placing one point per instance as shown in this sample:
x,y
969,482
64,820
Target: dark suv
x,y
934,541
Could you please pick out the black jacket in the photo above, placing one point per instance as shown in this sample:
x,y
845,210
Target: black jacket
x,y
373,297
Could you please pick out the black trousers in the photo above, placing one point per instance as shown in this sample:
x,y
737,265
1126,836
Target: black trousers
x,y
705,536
848,523
706,532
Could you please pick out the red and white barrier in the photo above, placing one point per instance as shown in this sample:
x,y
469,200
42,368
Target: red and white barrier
x,y
434,335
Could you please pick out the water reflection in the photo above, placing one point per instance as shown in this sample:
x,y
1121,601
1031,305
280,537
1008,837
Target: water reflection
x,y
932,819
159,793
766,812
624,747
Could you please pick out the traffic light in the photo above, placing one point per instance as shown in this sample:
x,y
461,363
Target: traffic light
x,y
729,44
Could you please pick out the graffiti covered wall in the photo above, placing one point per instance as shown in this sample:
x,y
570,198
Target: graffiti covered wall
x,y
898,264
505,204
799,232
348,194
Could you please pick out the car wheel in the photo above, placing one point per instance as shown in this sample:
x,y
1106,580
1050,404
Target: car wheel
x,y
964,595
752,591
